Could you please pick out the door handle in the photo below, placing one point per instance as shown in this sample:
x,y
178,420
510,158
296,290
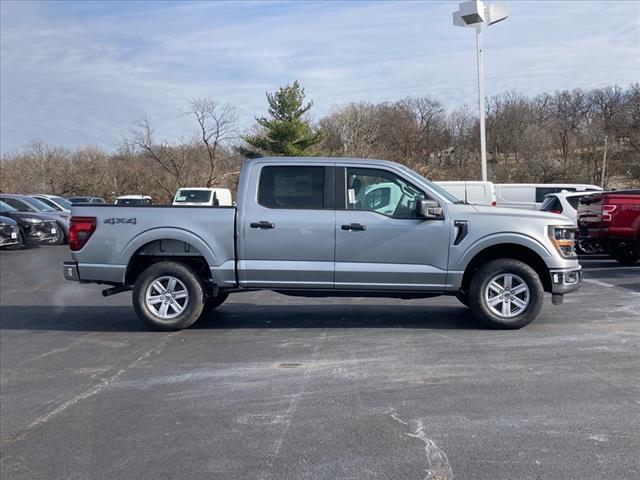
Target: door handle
x,y
354,226
263,225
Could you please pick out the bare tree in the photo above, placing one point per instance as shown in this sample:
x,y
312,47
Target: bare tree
x,y
217,127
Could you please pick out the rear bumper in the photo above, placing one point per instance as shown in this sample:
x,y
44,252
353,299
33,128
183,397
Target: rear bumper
x,y
565,280
70,270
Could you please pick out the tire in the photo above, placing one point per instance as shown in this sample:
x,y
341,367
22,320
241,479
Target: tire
x,y
509,314
60,238
625,253
587,248
184,306
211,303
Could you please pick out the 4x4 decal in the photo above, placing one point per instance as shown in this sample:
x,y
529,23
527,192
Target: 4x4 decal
x,y
113,220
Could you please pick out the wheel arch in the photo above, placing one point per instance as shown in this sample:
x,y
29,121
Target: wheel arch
x,y
514,251
164,244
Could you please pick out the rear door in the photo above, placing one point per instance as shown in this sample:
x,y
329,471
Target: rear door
x,y
288,227
381,244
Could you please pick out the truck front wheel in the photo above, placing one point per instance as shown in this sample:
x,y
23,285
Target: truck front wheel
x,y
168,296
506,293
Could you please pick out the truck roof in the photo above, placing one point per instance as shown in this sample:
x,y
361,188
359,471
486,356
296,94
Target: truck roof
x,y
325,159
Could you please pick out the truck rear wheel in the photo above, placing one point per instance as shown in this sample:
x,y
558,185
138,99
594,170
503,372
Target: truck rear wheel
x,y
625,253
168,296
506,293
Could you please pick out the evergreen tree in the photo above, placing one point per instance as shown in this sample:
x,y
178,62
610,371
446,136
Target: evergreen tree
x,y
287,131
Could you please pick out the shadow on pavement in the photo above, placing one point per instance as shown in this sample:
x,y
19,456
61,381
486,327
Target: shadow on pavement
x,y
243,316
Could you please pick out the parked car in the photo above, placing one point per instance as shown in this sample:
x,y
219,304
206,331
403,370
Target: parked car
x,y
611,220
531,195
24,203
299,229
203,197
9,233
75,200
54,201
33,228
566,204
474,192
133,200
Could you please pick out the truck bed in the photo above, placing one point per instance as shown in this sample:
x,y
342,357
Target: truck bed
x,y
122,231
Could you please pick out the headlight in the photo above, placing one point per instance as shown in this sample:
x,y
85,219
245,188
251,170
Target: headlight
x,y
33,220
564,240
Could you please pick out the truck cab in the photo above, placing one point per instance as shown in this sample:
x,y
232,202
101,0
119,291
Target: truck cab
x,y
310,227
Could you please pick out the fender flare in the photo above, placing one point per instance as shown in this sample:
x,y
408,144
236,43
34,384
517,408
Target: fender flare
x,y
503,238
166,233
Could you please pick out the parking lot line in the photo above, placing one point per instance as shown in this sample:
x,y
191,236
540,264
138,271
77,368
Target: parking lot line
x,y
610,285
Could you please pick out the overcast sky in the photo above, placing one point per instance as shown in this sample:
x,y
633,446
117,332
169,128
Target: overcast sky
x,y
79,73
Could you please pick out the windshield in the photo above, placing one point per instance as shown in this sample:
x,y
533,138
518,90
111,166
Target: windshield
x,y
49,203
6,208
436,188
193,196
38,205
63,202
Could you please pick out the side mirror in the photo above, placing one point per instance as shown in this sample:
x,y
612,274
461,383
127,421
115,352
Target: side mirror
x,y
430,209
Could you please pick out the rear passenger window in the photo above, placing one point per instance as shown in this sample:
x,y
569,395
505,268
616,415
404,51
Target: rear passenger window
x,y
541,192
295,187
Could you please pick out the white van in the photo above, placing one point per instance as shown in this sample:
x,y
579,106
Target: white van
x,y
203,197
133,200
476,192
531,195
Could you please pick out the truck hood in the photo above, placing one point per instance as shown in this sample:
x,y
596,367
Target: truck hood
x,y
4,220
510,214
20,217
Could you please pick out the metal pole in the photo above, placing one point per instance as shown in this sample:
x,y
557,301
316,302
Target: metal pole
x,y
483,141
604,161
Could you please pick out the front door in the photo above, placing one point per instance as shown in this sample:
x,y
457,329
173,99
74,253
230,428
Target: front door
x,y
288,229
381,243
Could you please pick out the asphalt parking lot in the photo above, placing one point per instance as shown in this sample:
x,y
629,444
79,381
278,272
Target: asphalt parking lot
x,y
274,387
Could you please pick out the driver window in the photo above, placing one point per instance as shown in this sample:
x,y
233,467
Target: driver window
x,y
381,191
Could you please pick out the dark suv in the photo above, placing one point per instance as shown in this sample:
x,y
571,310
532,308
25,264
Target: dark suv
x,y
32,227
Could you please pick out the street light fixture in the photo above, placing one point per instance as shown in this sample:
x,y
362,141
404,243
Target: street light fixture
x,y
474,13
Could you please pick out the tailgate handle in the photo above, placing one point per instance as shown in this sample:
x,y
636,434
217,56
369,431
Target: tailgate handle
x,y
263,225
354,226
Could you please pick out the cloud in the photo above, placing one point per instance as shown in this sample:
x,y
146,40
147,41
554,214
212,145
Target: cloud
x,y
80,73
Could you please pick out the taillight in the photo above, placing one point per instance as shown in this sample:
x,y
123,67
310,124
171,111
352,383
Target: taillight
x,y
607,210
555,211
80,230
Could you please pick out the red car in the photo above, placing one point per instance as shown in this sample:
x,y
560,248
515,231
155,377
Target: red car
x,y
612,220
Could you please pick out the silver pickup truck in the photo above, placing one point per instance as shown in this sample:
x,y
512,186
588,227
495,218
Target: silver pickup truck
x,y
326,227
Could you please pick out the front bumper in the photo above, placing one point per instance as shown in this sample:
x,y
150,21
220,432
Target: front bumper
x,y
8,236
70,270
43,232
565,280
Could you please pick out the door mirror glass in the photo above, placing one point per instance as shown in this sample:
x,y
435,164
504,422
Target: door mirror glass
x,y
430,209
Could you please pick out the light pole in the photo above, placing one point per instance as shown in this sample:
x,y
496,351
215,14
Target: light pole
x,y
474,13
